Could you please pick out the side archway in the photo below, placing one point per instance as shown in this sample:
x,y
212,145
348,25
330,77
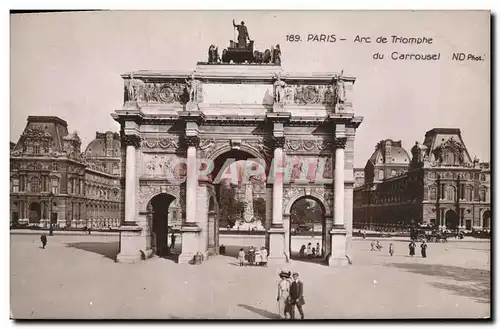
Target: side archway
x,y
157,219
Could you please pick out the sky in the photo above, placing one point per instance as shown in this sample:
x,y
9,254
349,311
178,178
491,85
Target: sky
x,y
69,65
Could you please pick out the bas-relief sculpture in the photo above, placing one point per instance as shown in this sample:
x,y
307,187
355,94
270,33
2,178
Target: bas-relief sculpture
x,y
163,165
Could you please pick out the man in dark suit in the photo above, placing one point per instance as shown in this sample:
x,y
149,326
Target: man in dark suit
x,y
297,295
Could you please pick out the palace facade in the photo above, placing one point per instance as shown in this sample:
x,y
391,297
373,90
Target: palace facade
x,y
50,178
439,185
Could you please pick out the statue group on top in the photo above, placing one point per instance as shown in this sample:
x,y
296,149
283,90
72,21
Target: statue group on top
x,y
243,50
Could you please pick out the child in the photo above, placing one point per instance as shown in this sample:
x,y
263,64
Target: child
x,y
241,256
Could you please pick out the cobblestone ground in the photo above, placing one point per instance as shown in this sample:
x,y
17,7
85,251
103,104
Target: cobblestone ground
x,y
75,277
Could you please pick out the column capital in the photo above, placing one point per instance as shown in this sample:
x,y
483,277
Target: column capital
x,y
131,140
340,142
192,141
278,141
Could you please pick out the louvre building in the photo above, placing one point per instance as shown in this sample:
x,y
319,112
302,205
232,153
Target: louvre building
x,y
440,184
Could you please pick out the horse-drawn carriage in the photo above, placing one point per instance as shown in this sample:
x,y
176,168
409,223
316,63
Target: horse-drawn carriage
x,y
429,235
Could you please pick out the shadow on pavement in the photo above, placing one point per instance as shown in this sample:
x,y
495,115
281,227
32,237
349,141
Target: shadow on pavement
x,y
264,313
479,287
480,292
321,260
107,249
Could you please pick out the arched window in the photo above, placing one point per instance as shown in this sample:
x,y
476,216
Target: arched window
x,y
450,158
15,185
35,185
55,185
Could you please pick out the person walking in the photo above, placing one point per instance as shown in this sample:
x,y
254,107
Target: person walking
x,y
391,249
43,239
296,296
309,250
172,239
241,257
372,244
283,298
412,246
378,246
423,249
302,251
318,250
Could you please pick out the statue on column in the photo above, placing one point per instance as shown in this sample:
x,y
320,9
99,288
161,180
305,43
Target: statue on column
x,y
340,89
279,91
133,88
192,87
242,34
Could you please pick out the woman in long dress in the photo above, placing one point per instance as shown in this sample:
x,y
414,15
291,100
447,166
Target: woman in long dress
x,y
423,249
258,258
411,246
284,294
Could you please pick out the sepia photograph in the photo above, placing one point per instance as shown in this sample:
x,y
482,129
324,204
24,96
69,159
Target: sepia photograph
x,y
250,165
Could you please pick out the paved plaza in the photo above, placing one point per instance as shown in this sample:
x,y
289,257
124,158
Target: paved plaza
x,y
76,277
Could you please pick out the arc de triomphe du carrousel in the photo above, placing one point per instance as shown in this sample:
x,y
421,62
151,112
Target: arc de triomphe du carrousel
x,y
183,131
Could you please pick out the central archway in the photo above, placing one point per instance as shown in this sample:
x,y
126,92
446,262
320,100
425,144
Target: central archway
x,y
307,225
451,218
160,228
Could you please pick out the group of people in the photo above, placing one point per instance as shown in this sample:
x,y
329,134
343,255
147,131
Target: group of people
x,y
423,248
376,246
310,251
290,295
255,256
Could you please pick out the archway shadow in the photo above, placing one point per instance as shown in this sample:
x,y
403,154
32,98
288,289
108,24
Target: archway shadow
x,y
264,313
107,249
319,260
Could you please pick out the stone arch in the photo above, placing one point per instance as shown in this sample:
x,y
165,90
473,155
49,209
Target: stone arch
x,y
148,192
227,148
288,203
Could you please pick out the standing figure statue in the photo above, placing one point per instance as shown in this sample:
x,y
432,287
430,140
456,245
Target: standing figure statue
x,y
192,88
276,55
132,89
242,34
213,54
340,89
279,90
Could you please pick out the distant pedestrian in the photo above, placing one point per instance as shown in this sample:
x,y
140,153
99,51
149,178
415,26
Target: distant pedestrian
x,y
172,239
309,250
43,239
378,246
302,251
412,247
313,255
372,244
423,249
258,258
391,249
251,255
318,250
263,256
241,257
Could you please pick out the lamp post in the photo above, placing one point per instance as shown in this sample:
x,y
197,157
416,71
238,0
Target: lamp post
x,y
51,195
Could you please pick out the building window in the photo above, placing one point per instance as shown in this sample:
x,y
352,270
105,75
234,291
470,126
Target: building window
x,y
380,174
54,166
451,194
433,193
468,193
55,186
482,194
450,158
483,177
15,185
36,149
35,185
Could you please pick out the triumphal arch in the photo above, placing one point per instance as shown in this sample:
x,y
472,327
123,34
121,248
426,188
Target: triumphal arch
x,y
181,131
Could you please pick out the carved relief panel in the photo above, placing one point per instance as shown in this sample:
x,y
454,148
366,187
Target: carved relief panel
x,y
163,166
157,92
310,94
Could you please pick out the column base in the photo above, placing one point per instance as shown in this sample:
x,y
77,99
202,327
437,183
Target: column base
x,y
190,244
277,253
338,239
130,244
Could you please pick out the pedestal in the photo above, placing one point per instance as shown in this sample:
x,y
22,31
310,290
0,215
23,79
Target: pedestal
x,y
190,243
338,257
277,246
190,106
130,244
